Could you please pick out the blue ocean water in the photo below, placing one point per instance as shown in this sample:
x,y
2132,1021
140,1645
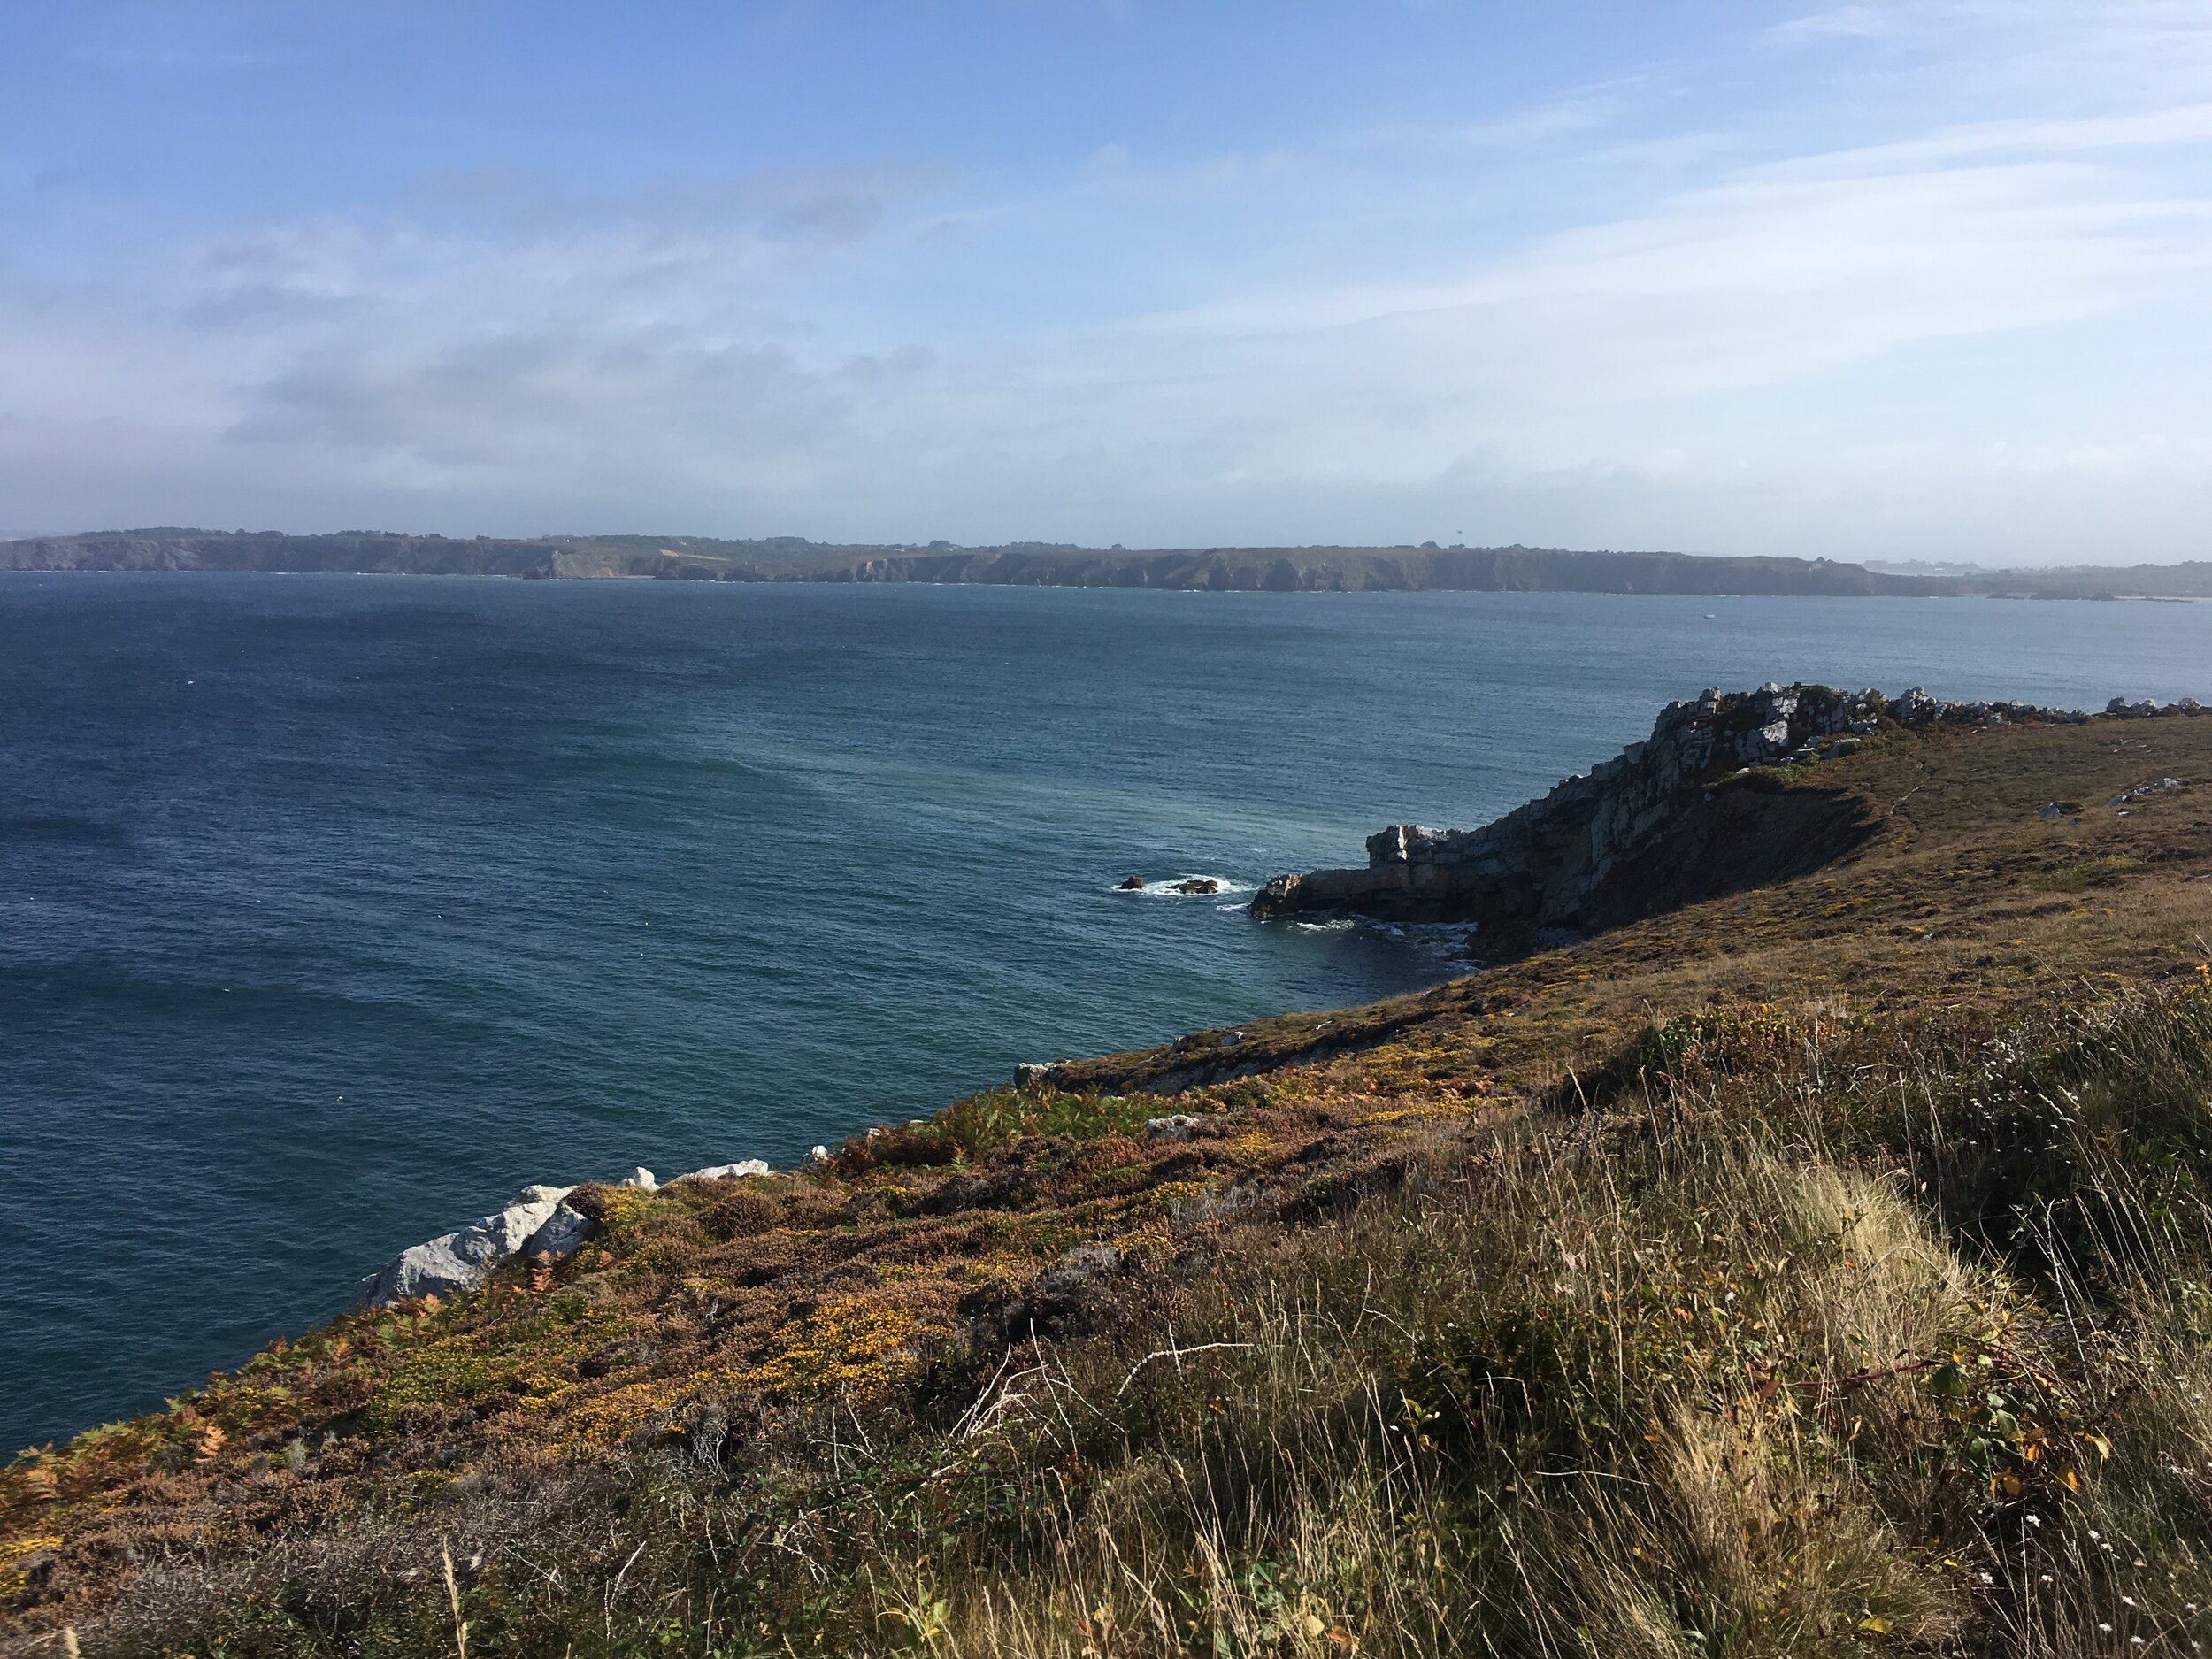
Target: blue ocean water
x,y
333,909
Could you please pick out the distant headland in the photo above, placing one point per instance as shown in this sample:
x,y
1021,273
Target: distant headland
x,y
1427,567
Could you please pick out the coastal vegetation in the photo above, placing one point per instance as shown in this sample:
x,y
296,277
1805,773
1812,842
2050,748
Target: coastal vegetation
x,y
1822,1266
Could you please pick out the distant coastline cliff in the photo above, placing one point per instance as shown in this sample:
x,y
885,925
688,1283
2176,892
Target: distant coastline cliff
x,y
1042,564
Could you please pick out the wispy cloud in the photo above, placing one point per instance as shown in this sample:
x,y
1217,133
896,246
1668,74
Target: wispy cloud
x,y
1833,23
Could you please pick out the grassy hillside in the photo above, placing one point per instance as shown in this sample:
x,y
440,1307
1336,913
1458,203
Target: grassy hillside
x,y
1823,1268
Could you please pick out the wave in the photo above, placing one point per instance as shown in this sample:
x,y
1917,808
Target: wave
x,y
1163,886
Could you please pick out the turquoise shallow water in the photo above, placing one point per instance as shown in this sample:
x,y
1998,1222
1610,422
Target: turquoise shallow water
x,y
333,910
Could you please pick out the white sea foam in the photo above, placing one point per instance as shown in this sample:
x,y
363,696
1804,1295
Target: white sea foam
x,y
1164,886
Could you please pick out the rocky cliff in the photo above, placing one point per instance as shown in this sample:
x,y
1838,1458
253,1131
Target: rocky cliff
x,y
1698,809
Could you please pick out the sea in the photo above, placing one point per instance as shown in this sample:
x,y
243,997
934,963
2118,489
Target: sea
x,y
335,909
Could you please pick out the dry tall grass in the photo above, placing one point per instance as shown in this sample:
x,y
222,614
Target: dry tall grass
x,y
1838,1335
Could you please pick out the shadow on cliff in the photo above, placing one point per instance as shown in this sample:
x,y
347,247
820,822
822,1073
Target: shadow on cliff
x,y
1713,802
1748,833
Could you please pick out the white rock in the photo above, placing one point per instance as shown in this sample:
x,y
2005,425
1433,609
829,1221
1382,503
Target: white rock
x,y
817,1157
725,1172
563,1232
460,1259
643,1177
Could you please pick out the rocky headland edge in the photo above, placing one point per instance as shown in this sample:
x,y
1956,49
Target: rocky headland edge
x,y
1692,812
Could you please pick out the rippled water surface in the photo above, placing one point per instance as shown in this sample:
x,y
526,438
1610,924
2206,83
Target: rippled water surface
x,y
333,910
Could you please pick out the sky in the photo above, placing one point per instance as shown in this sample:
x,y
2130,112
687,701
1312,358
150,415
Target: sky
x,y
1928,280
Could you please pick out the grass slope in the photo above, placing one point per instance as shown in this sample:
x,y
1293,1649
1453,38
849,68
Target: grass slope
x,y
1822,1269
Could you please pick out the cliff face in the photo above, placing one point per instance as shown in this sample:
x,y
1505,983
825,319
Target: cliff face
x,y
1695,810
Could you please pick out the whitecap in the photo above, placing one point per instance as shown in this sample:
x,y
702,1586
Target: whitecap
x,y
1164,887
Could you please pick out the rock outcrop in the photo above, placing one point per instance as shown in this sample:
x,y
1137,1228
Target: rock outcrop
x,y
1681,817
460,1259
541,1222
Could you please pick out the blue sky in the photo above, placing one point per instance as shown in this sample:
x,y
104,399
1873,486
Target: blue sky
x,y
1924,281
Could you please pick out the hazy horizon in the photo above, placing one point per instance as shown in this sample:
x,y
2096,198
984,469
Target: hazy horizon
x,y
1862,281
1901,566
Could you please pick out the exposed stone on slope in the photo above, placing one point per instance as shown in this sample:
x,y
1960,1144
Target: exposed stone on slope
x,y
540,1221
460,1259
725,1171
562,1233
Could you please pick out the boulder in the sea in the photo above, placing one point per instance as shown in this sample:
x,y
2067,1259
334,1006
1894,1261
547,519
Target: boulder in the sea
x,y
1131,883
1198,885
